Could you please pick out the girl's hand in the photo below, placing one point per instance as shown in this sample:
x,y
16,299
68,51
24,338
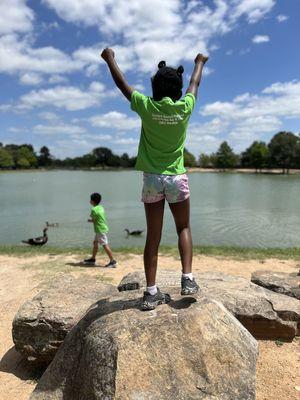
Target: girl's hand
x,y
107,54
201,58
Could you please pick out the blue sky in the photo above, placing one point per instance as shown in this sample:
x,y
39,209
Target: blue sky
x,y
56,91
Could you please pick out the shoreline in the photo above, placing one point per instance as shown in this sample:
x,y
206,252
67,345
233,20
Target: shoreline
x,y
264,171
240,253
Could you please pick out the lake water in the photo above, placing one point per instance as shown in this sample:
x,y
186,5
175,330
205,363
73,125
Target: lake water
x,y
226,209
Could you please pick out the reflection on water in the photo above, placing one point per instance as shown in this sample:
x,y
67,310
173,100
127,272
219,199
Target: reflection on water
x,y
227,209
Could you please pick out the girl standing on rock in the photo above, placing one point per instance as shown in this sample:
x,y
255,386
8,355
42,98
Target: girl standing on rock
x,y
165,118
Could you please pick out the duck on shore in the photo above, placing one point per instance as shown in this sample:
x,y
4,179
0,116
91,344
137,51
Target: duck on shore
x,y
38,241
133,233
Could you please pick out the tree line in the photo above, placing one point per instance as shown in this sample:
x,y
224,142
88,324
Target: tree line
x,y
283,151
23,156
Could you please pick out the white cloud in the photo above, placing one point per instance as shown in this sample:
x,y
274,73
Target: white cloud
x,y
48,116
77,145
54,79
202,144
248,117
260,39
31,78
126,141
207,71
69,97
58,129
253,10
282,18
15,16
18,56
141,27
90,56
13,129
115,120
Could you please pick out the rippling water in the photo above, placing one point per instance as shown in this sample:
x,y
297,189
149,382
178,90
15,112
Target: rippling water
x,y
227,209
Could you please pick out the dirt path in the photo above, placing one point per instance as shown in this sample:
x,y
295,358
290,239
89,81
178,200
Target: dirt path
x,y
278,368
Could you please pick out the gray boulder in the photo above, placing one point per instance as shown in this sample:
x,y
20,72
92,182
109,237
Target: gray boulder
x,y
266,314
42,323
280,282
192,348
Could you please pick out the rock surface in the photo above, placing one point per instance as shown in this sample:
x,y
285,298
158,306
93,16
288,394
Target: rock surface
x,y
280,282
266,314
42,323
192,348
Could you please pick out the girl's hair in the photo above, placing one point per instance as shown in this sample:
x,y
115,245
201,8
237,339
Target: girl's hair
x,y
167,82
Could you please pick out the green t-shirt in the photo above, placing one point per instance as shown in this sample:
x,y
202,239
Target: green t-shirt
x,y
99,219
163,133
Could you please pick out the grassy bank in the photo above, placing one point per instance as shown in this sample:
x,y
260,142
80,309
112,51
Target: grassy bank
x,y
241,253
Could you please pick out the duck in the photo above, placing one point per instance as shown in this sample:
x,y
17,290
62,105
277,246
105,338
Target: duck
x,y
133,233
38,241
53,225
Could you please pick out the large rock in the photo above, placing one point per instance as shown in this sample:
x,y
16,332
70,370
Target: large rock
x,y
280,282
187,349
42,323
266,314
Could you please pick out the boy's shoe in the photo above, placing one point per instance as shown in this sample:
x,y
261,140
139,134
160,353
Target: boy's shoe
x,y
188,286
90,261
150,302
111,264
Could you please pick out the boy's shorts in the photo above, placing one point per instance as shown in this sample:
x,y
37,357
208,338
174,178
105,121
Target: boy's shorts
x,y
101,238
173,188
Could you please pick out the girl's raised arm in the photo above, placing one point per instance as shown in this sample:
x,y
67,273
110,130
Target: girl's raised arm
x,y
109,57
200,60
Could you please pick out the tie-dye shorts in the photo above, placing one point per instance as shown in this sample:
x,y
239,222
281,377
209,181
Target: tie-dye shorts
x,y
173,188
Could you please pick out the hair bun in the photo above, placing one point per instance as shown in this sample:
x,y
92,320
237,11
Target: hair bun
x,y
161,64
180,70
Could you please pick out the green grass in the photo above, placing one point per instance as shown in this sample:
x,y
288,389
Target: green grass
x,y
241,253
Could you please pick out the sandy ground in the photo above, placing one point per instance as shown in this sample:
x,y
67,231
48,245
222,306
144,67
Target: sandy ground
x,y
278,369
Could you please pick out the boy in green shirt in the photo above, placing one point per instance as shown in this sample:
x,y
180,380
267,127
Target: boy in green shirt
x,y
98,218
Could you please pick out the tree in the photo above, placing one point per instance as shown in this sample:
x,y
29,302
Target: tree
x,y
45,158
283,149
114,161
189,159
225,157
297,154
205,161
24,153
132,162
22,162
102,155
6,160
88,160
124,160
257,156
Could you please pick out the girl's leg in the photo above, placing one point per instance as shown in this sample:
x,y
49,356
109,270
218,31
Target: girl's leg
x,y
154,216
108,252
181,214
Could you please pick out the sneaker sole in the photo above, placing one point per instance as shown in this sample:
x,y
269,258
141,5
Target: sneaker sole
x,y
146,306
89,263
185,292
111,266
